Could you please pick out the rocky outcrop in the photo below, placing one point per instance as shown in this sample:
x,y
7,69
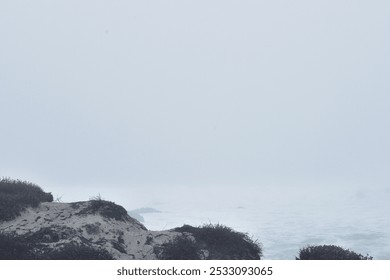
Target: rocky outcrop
x,y
96,224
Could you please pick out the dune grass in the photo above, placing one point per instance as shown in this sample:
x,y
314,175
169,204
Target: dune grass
x,y
17,195
213,242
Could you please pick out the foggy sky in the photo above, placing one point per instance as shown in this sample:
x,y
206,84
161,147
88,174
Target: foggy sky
x,y
195,93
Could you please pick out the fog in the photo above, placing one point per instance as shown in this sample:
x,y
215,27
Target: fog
x,y
198,105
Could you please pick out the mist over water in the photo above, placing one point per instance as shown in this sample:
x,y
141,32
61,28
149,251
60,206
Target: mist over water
x,y
284,221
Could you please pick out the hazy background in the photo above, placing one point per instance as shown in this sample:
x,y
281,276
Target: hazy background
x,y
168,101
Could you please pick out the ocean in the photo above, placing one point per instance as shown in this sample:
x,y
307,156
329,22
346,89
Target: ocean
x,y
284,221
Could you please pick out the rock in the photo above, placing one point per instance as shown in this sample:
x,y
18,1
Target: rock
x,y
99,225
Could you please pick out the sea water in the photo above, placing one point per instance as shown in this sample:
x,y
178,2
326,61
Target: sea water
x,y
357,220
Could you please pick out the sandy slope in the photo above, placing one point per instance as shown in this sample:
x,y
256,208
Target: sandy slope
x,y
59,223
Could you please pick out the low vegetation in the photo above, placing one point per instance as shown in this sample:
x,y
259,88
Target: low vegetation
x,y
13,247
106,209
181,248
213,242
329,252
17,195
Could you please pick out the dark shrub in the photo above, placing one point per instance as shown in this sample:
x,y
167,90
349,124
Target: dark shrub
x,y
221,243
14,248
16,196
50,234
329,252
106,209
180,248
